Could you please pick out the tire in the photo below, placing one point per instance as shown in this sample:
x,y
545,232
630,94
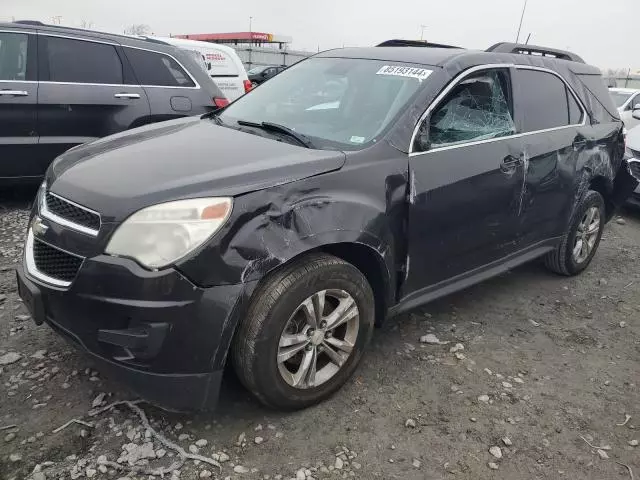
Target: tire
x,y
563,259
276,308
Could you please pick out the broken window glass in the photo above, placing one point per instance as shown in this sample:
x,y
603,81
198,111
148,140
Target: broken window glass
x,y
478,108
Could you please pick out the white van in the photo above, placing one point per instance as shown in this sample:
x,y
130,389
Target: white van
x,y
221,63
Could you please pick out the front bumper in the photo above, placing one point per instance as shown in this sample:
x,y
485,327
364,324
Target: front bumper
x,y
161,335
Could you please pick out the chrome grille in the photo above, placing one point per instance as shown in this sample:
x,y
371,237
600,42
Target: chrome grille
x,y
55,263
71,212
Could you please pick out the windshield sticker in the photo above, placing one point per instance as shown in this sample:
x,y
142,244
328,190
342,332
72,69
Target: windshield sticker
x,y
410,72
355,139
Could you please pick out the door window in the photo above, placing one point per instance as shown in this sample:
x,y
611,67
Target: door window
x,y
478,108
157,69
80,61
635,101
544,101
13,56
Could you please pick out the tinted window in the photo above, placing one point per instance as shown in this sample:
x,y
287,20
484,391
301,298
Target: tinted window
x,y
575,113
543,100
634,102
478,108
13,56
78,61
154,68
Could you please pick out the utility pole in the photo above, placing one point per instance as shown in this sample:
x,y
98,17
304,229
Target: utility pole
x,y
422,28
524,8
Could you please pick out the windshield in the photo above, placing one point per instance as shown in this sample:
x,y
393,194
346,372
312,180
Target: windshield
x,y
256,70
619,98
336,102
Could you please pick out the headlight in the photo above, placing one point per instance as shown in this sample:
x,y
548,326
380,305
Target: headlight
x,y
40,196
160,235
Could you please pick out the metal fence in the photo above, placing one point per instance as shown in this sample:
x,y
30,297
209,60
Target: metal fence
x,y
631,81
255,56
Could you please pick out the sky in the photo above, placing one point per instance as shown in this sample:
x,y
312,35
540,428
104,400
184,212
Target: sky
x,y
603,32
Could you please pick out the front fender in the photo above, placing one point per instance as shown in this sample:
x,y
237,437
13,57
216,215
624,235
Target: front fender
x,y
270,227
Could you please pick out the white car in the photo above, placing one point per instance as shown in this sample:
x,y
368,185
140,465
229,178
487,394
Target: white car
x,y
626,99
221,63
633,158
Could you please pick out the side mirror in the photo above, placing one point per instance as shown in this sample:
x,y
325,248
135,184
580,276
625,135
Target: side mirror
x,y
636,111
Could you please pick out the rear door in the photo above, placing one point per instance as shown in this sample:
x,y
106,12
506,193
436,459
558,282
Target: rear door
x,y
86,92
554,136
18,105
465,181
171,90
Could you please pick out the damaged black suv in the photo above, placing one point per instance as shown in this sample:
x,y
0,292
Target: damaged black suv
x,y
356,185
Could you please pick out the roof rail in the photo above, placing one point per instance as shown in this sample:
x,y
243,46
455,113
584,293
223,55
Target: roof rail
x,y
519,48
413,43
37,23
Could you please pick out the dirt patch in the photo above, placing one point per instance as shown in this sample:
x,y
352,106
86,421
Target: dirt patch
x,y
546,360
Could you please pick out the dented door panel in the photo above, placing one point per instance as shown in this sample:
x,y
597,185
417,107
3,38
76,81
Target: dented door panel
x,y
551,160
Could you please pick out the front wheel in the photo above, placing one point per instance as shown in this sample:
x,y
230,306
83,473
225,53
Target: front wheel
x,y
579,245
305,332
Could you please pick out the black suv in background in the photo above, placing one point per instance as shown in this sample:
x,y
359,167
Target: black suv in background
x,y
60,87
260,74
277,232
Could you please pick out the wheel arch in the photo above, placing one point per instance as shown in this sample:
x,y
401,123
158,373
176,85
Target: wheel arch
x,y
604,187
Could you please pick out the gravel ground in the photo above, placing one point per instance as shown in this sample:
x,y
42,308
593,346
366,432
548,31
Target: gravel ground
x,y
534,369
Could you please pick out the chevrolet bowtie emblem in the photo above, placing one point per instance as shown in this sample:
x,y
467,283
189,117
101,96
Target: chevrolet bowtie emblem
x,y
38,227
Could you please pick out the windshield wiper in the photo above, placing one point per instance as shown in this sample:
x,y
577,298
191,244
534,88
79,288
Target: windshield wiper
x,y
276,127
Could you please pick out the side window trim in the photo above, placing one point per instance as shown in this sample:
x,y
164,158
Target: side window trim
x,y
116,45
583,110
443,94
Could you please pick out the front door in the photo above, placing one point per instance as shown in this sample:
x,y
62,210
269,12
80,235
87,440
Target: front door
x,y
466,179
18,106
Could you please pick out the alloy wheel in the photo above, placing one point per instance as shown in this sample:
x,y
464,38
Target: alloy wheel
x,y
318,338
587,234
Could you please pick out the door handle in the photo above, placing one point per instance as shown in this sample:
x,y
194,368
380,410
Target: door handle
x,y
127,95
14,93
509,163
578,144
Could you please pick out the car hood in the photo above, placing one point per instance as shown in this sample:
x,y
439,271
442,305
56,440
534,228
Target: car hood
x,y
184,158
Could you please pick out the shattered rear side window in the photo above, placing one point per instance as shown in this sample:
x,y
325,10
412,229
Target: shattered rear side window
x,y
478,108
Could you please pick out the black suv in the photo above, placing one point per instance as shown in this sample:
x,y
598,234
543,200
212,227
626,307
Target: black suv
x,y
276,233
60,87
260,74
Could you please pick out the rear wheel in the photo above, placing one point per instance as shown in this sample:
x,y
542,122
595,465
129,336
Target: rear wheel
x,y
305,332
581,242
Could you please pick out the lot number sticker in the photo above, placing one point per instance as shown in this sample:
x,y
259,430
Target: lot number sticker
x,y
411,72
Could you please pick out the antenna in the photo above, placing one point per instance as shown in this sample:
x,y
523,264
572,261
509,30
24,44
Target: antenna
x,y
524,8
529,38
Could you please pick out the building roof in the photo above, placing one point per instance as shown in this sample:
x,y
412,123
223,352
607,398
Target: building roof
x,y
238,36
